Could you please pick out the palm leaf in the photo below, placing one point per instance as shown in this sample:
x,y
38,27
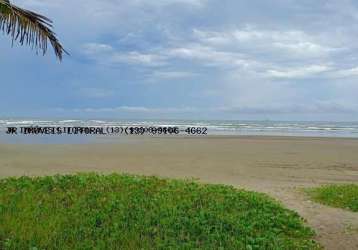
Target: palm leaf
x,y
29,28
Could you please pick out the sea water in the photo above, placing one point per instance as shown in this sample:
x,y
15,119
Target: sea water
x,y
214,127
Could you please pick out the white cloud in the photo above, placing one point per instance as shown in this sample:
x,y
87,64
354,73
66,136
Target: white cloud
x,y
137,109
172,74
317,107
135,57
301,72
209,56
321,71
97,48
105,54
204,55
343,73
305,48
288,43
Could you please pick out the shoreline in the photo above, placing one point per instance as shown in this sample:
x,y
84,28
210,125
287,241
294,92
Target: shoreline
x,y
88,140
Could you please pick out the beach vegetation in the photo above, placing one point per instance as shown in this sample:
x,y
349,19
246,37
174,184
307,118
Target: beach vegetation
x,y
341,196
91,211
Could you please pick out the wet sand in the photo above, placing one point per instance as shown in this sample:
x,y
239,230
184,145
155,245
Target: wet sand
x,y
275,165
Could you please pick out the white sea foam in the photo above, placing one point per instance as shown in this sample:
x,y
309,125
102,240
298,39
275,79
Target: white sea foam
x,y
333,129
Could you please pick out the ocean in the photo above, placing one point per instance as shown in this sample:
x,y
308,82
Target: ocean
x,y
214,127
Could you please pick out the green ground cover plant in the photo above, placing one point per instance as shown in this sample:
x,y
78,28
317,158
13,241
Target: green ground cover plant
x,y
91,211
341,196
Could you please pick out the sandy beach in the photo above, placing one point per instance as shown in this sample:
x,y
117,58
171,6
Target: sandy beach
x,y
278,166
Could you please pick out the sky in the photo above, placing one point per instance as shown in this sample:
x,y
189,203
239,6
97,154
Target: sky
x,y
188,59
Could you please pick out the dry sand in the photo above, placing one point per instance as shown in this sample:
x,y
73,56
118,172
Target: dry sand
x,y
278,166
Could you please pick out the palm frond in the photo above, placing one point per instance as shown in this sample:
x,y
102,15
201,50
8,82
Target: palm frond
x,y
29,28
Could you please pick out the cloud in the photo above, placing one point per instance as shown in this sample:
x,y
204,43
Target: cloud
x,y
97,48
289,43
224,58
135,57
318,107
296,73
136,109
313,108
195,53
107,55
209,56
266,53
172,74
345,73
